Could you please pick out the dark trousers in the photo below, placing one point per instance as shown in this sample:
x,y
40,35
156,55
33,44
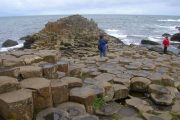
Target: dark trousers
x,y
165,50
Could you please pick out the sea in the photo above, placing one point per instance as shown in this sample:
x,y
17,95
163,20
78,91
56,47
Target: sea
x,y
131,29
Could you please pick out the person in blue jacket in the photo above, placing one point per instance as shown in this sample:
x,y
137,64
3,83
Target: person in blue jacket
x,y
102,46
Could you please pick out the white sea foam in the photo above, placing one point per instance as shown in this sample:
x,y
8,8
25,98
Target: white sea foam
x,y
170,20
116,33
157,39
4,49
167,27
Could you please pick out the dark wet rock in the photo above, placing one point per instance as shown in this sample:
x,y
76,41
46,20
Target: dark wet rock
x,y
156,49
25,37
149,42
176,37
52,114
9,43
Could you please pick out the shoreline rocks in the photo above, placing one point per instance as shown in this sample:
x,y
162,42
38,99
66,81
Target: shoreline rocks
x,y
9,43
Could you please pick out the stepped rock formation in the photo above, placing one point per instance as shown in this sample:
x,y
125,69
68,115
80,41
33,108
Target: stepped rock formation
x,y
73,35
43,85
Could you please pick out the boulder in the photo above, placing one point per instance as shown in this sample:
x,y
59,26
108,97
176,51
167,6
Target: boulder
x,y
149,42
8,84
140,84
72,81
156,49
74,109
176,37
41,92
16,105
120,91
52,114
59,91
9,43
30,71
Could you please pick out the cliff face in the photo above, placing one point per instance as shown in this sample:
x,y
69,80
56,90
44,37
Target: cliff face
x,y
69,34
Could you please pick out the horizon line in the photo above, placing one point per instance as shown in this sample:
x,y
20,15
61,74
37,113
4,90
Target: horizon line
x,y
86,14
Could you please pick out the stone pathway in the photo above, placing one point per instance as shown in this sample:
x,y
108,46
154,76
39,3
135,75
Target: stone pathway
x,y
43,84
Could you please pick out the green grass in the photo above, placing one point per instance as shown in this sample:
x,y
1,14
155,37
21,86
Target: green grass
x,y
178,87
98,103
174,116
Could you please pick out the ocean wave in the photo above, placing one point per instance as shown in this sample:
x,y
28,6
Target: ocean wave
x,y
4,49
167,27
112,30
116,33
170,20
154,39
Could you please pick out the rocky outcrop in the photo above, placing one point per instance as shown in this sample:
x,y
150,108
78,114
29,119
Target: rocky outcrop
x,y
149,42
9,43
176,37
73,35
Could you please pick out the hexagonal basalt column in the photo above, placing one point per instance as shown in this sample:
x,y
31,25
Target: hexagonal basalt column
x,y
41,92
16,105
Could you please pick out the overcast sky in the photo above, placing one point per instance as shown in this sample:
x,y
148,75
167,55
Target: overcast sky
x,y
54,7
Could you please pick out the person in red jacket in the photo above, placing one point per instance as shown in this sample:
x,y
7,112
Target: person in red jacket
x,y
166,43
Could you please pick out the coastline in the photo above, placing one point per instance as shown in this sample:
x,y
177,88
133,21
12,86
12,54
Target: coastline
x,y
59,73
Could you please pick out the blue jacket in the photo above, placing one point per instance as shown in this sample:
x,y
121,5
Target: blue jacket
x,y
102,44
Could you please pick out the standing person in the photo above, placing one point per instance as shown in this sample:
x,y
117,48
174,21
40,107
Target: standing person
x,y
166,43
102,46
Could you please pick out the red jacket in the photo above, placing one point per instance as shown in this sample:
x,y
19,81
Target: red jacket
x,y
166,42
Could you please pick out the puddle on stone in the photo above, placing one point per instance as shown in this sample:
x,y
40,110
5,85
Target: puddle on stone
x,y
178,95
73,112
48,65
126,111
54,116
